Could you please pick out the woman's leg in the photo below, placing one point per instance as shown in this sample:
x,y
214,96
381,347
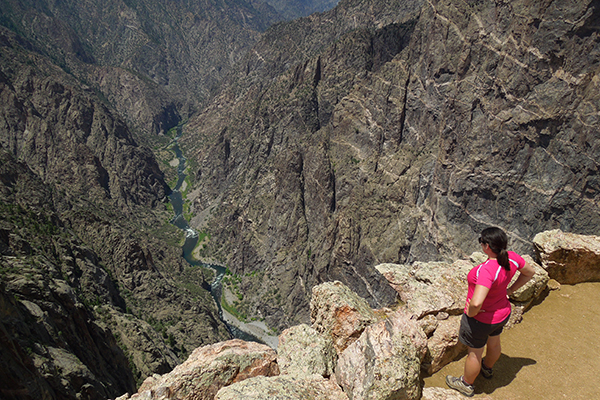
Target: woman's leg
x,y
494,349
472,365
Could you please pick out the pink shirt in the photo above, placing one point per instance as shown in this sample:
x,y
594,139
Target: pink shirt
x,y
490,274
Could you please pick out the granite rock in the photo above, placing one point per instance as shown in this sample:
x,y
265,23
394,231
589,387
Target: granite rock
x,y
385,361
304,351
567,257
208,369
339,313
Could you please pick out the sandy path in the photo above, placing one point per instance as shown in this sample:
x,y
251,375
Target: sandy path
x,y
553,354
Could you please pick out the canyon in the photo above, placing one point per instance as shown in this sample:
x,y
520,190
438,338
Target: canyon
x,y
377,132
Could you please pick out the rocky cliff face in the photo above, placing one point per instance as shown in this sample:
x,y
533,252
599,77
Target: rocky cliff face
x,y
395,131
380,131
95,294
156,62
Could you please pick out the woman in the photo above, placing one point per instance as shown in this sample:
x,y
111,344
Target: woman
x,y
487,308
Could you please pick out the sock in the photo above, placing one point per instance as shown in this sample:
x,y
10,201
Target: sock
x,y
485,366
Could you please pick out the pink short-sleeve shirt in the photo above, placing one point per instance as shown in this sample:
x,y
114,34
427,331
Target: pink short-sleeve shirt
x,y
496,307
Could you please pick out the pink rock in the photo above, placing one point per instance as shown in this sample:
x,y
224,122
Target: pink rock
x,y
337,311
208,369
385,362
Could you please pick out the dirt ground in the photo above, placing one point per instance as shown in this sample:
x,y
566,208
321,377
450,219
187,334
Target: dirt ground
x,y
553,354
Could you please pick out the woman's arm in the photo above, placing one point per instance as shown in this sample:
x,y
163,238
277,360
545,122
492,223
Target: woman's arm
x,y
525,274
476,302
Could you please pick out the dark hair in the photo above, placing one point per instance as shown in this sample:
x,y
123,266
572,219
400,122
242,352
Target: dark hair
x,y
497,239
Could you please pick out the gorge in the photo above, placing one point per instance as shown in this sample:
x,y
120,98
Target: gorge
x,y
377,132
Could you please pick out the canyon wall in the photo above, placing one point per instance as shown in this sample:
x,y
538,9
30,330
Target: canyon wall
x,y
396,131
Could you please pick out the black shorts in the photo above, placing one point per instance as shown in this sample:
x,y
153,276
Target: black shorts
x,y
475,334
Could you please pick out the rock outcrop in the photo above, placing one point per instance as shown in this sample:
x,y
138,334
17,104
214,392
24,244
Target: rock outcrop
x,y
303,351
569,258
210,368
284,387
338,312
385,361
435,294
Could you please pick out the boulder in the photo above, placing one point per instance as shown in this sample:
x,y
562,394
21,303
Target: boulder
x,y
385,362
443,346
338,312
283,387
532,289
208,369
435,293
429,287
304,351
567,257
523,298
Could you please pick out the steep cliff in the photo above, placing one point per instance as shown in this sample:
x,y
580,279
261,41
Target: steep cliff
x,y
95,294
379,131
156,62
395,131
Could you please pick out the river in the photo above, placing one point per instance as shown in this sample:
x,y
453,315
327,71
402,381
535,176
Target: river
x,y
191,240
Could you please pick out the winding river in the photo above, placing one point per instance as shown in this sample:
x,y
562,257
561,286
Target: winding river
x,y
191,239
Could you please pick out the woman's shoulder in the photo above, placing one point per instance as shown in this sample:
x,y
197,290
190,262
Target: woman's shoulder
x,y
513,254
489,264
516,257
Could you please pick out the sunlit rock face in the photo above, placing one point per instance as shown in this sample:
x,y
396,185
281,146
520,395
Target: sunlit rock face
x,y
378,132
569,258
396,135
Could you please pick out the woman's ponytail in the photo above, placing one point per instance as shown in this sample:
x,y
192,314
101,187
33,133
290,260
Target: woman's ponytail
x,y
498,242
502,258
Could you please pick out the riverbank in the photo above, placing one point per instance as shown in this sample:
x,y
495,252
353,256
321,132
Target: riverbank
x,y
553,354
257,329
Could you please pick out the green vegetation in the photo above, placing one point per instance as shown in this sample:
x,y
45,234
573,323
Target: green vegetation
x,y
233,309
36,223
172,235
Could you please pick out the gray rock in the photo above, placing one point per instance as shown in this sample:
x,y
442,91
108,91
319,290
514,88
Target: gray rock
x,y
399,140
304,351
284,387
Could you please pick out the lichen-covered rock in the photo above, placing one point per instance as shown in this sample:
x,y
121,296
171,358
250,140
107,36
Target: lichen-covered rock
x,y
304,351
443,346
283,387
429,287
534,287
337,311
385,362
569,258
208,369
